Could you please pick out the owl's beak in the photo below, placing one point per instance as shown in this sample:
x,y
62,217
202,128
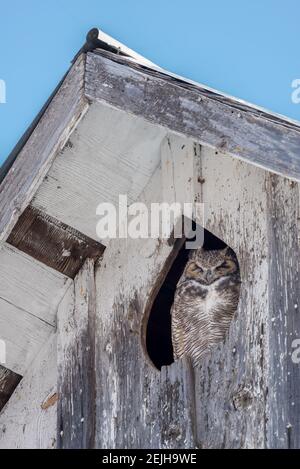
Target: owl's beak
x,y
208,276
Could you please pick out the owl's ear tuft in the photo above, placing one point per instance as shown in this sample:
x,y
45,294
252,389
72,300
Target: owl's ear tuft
x,y
228,252
194,253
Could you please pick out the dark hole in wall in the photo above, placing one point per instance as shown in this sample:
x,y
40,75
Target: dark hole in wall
x,y
8,383
158,334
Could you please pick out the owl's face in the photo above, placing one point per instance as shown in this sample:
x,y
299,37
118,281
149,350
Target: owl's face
x,y
208,266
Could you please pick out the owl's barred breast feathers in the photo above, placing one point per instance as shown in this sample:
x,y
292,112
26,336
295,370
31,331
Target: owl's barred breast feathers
x,y
205,301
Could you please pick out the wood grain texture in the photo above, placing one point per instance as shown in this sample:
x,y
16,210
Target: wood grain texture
x,y
76,363
8,383
180,173
24,423
53,243
30,294
247,391
284,319
36,157
211,119
231,386
137,406
29,285
23,334
109,154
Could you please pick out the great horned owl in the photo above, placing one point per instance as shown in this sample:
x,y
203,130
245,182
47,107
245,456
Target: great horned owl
x,y
205,301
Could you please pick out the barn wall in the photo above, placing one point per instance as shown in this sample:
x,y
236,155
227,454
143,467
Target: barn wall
x,y
248,390
243,396
76,362
138,406
284,294
231,385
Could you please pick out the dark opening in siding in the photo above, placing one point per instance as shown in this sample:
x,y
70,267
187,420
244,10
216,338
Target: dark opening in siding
x,y
158,333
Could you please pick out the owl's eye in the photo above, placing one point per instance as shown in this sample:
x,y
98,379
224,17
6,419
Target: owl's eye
x,y
224,265
196,268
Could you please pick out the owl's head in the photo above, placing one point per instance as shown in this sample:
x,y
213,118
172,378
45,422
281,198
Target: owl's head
x,y
208,266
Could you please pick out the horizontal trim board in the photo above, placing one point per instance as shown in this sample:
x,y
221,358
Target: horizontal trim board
x,y
247,133
30,285
23,334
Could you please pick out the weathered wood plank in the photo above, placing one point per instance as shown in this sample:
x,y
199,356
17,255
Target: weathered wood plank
x,y
29,285
36,157
23,334
29,418
53,243
283,429
248,390
232,384
177,398
30,294
137,406
8,383
109,154
226,125
180,172
76,363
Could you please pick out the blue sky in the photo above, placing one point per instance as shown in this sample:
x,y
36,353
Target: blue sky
x,y
249,49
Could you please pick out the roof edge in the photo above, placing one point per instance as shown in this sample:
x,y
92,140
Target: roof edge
x,y
131,55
